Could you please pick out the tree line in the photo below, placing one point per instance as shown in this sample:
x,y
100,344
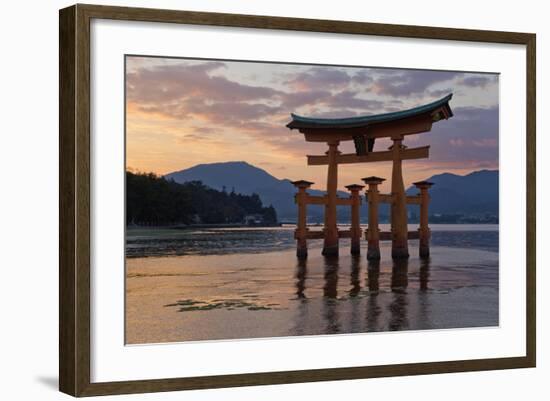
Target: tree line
x,y
153,200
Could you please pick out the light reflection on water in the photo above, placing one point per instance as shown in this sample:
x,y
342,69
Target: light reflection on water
x,y
258,288
399,284
386,300
214,241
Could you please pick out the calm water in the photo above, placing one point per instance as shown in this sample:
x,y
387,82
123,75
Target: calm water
x,y
142,242
209,284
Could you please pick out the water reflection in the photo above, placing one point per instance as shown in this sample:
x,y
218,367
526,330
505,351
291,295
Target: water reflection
x,y
424,274
330,292
301,273
384,303
399,283
373,276
330,289
354,292
373,284
354,280
400,275
423,295
303,307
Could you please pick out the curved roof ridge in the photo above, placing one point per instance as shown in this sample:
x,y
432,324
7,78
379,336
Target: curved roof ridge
x,y
372,118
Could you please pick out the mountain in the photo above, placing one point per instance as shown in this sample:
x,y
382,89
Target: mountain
x,y
472,194
247,179
241,176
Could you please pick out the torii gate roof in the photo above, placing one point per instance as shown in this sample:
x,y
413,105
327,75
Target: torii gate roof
x,y
439,109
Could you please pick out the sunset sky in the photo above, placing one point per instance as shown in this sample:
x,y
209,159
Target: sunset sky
x,y
181,113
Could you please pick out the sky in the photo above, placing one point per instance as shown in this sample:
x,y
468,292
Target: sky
x,y
184,112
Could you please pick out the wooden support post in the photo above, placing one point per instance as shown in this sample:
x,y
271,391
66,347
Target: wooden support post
x,y
424,229
355,218
301,224
330,246
400,246
373,231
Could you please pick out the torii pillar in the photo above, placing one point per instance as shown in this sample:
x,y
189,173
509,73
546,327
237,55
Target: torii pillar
x,y
399,229
301,229
424,229
373,231
355,229
330,245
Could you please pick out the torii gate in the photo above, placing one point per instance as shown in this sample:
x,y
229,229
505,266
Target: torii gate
x,y
364,131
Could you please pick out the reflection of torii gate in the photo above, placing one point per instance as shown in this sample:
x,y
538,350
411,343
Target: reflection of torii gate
x,y
364,131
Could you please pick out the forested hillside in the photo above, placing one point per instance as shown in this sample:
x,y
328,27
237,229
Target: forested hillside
x,y
154,200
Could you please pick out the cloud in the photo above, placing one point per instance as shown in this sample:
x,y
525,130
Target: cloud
x,y
226,112
439,93
167,83
471,132
204,130
334,113
474,81
349,99
294,100
214,103
190,138
362,77
409,82
319,78
210,104
486,143
456,142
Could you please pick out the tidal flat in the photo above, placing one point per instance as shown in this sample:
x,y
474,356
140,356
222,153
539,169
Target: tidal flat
x,y
229,292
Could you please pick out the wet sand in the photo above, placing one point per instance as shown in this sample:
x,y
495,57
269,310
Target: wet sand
x,y
272,294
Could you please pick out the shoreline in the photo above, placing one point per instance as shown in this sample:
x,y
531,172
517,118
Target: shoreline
x,y
282,224
151,242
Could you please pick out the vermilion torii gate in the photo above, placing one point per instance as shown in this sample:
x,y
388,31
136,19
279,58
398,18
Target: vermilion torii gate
x,y
364,131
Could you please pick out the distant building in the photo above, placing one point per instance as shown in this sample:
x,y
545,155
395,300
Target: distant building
x,y
253,219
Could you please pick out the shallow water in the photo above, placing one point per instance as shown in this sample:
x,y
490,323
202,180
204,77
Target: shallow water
x,y
142,242
213,292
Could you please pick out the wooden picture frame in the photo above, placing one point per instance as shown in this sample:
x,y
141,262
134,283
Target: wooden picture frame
x,y
74,205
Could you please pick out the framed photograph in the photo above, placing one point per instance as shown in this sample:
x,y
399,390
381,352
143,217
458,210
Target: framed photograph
x,y
249,200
